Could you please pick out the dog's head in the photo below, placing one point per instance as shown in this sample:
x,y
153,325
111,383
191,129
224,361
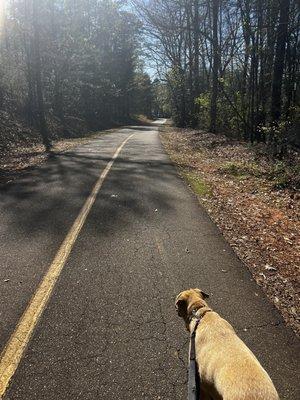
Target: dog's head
x,y
190,300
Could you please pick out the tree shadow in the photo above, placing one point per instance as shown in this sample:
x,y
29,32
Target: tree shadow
x,y
50,196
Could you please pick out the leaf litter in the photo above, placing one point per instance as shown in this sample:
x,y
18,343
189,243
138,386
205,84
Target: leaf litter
x,y
257,216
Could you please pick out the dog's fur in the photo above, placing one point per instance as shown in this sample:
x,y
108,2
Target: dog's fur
x,y
228,369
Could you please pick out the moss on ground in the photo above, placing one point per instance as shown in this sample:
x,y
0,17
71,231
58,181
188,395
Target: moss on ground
x,y
199,186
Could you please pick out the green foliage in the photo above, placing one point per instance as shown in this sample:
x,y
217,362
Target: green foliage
x,y
203,103
275,132
161,99
227,121
282,132
285,175
89,59
143,96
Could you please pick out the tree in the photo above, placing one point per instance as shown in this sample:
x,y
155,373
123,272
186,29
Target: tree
x,y
279,62
64,61
38,77
215,66
238,61
143,94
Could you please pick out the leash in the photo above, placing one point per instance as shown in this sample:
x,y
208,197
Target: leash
x,y
193,383
194,378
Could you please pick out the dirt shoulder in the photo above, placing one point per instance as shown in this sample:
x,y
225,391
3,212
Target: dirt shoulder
x,y
254,200
21,158
21,147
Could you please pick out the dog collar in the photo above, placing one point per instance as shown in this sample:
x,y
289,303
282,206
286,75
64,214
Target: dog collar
x,y
198,313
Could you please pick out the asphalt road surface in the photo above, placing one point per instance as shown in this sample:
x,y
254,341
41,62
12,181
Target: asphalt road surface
x,y
110,330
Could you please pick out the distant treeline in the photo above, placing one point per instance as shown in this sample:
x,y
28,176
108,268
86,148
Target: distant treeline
x,y
228,65
62,58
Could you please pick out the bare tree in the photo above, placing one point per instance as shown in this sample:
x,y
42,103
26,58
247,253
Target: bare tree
x,y
281,39
215,66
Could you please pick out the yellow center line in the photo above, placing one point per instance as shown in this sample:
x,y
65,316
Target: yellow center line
x,y
16,345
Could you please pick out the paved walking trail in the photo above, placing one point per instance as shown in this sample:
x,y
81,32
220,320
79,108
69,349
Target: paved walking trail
x,y
110,330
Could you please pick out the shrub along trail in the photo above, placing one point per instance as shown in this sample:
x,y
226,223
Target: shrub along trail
x,y
254,200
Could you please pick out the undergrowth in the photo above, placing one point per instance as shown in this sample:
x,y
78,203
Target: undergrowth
x,y
281,173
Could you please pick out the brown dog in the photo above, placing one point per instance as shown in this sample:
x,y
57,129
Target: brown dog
x,y
228,369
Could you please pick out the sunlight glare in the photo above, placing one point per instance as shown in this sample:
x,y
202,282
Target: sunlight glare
x,y
2,7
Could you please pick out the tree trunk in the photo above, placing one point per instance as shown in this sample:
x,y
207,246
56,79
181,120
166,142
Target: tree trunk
x,y
190,55
281,38
215,66
57,101
38,78
196,47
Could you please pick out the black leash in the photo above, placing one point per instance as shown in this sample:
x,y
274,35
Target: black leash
x,y
194,381
194,377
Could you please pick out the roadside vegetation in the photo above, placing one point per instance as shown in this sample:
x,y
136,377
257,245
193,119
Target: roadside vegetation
x,y
254,199
68,68
228,66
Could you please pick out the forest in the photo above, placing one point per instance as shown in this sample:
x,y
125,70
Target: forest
x,y
68,66
229,66
222,65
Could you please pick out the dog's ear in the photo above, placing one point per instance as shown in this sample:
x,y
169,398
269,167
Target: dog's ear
x,y
181,306
202,293
205,295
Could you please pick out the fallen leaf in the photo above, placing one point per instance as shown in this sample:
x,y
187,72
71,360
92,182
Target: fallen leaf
x,y
270,268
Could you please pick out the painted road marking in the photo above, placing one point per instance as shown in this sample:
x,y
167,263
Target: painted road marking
x,y
15,347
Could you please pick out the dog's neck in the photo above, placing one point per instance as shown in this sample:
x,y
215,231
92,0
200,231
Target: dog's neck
x,y
196,314
199,307
199,312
